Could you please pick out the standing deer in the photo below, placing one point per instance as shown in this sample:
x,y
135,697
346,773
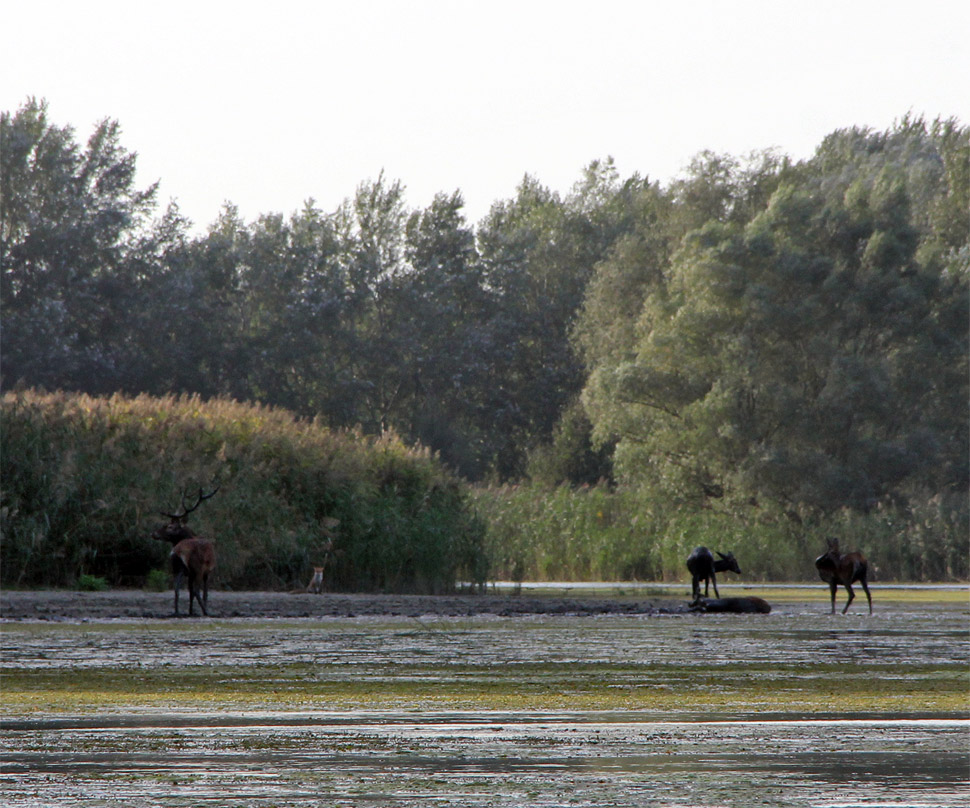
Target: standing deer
x,y
702,565
192,556
835,568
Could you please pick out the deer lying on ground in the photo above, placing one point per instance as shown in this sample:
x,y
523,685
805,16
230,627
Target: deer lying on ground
x,y
835,568
192,557
746,605
702,565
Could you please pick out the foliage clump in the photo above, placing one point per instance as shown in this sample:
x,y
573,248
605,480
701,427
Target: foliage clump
x,y
85,479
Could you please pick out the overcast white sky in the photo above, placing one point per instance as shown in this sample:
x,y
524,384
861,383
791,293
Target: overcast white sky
x,y
267,104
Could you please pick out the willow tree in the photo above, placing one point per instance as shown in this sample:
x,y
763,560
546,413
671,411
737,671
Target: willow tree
x,y
812,355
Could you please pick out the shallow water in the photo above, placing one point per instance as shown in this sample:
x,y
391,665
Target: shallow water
x,y
391,757
490,759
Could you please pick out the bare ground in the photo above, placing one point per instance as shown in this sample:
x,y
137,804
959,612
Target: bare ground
x,y
138,604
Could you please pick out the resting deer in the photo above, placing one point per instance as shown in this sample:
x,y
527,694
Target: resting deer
x,y
746,605
192,557
835,568
702,565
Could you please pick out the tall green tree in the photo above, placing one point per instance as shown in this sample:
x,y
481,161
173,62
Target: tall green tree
x,y
539,252
68,215
447,323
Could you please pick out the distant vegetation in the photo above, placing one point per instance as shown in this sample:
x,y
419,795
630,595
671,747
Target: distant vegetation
x,y
600,534
85,478
759,352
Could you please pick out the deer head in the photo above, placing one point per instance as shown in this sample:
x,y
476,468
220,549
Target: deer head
x,y
728,563
176,530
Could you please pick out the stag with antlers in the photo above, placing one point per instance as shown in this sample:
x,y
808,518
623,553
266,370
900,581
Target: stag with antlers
x,y
835,568
193,557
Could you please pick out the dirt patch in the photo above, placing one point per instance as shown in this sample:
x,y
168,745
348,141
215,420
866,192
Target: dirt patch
x,y
67,605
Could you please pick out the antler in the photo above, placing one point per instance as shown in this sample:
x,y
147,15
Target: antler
x,y
187,510
202,498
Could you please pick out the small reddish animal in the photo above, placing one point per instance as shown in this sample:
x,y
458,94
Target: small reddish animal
x,y
192,557
837,569
746,605
702,566
316,583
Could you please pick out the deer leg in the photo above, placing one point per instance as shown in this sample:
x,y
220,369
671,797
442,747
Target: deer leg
x,y
865,588
178,584
205,595
714,581
832,588
198,594
851,598
193,592
198,598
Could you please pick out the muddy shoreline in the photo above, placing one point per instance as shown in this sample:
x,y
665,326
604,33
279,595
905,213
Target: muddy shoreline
x,y
16,605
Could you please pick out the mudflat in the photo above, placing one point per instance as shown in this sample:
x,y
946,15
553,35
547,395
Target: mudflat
x,y
139,604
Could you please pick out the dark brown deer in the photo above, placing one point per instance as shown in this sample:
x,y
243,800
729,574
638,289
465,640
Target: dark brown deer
x,y
835,568
193,557
702,565
746,605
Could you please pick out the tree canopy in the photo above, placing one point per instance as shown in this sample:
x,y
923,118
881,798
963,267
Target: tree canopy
x,y
809,350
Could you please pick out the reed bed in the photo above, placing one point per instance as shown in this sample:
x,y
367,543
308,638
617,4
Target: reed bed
x,y
604,534
85,479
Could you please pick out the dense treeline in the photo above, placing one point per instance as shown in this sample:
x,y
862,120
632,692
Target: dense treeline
x,y
372,315
760,339
85,479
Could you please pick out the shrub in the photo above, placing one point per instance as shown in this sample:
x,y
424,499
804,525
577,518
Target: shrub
x,y
156,581
587,533
91,583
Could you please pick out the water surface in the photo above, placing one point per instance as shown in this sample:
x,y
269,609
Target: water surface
x,y
708,752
